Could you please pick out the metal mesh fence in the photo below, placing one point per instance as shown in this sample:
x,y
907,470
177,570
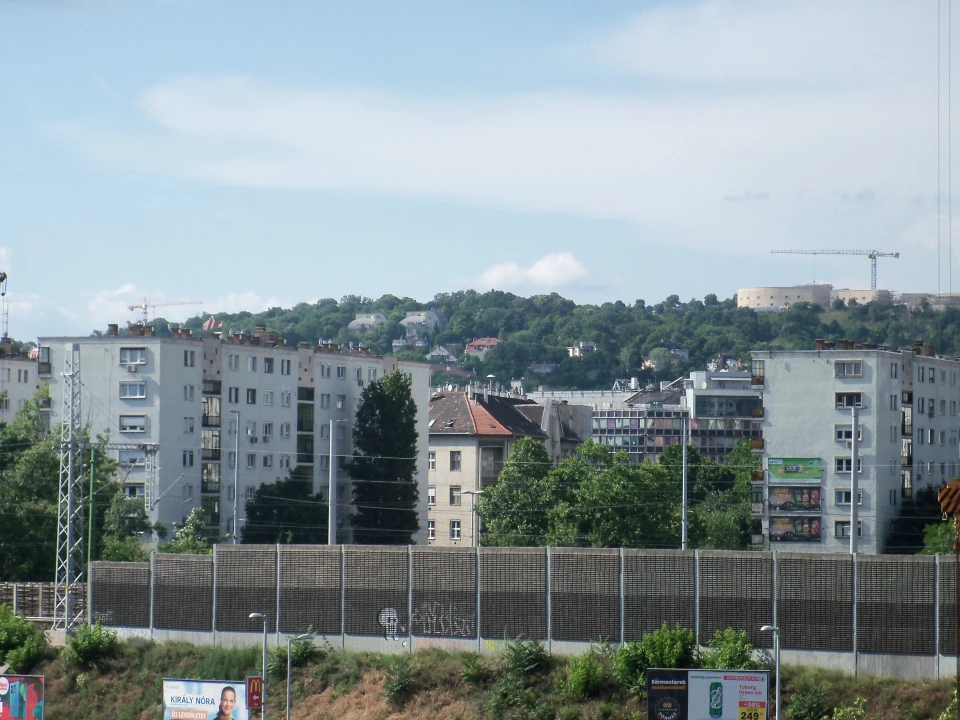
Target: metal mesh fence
x,y
310,588
895,598
658,588
183,592
585,594
736,591
246,582
375,591
513,593
948,606
814,604
444,592
121,594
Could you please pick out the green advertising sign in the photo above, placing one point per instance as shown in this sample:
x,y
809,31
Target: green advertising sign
x,y
794,469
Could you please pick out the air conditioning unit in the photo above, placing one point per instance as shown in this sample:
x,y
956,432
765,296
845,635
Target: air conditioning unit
x,y
131,368
266,438
253,439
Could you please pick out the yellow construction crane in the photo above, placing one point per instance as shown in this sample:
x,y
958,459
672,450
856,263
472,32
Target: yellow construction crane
x,y
872,254
145,305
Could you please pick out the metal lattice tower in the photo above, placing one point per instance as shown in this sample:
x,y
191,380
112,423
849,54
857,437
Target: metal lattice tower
x,y
69,508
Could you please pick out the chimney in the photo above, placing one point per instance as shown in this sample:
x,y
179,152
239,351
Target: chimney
x,y
818,344
149,331
113,330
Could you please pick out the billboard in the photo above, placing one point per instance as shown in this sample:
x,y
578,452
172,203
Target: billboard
x,y
21,697
204,700
795,529
794,469
707,694
795,498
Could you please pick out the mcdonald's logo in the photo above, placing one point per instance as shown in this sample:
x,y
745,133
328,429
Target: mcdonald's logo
x,y
254,692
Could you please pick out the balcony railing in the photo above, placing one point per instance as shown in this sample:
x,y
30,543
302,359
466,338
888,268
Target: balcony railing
x,y
757,476
210,453
210,421
44,369
211,387
304,459
756,380
756,412
304,426
491,470
906,460
756,444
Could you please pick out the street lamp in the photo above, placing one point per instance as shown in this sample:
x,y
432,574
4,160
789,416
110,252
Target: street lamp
x,y
776,654
263,694
290,641
473,513
236,476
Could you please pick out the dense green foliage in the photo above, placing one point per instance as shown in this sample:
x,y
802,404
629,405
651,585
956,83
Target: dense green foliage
x,y
384,464
21,642
540,328
90,646
190,536
596,498
286,512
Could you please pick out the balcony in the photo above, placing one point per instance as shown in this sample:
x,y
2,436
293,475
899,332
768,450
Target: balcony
x,y
906,460
756,445
756,381
490,470
756,412
304,458
210,453
44,369
756,509
43,403
757,476
211,421
211,387
305,426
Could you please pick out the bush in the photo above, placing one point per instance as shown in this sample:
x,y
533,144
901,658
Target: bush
x,y
584,676
475,670
525,658
666,648
21,642
302,653
808,703
857,711
630,667
90,646
401,681
729,650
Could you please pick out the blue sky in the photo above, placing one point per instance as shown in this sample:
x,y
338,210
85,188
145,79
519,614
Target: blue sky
x,y
249,154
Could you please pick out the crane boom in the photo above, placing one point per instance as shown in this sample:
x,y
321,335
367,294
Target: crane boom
x,y
146,305
872,254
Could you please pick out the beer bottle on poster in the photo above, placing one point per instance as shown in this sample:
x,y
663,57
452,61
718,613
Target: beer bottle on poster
x,y
716,699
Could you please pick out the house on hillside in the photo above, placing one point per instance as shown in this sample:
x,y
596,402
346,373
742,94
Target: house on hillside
x,y
582,348
442,353
480,346
365,321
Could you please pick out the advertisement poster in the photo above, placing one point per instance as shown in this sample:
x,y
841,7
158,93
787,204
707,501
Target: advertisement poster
x,y
794,469
21,697
790,499
707,695
795,529
204,700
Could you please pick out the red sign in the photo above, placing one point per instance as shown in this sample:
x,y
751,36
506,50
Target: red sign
x,y
254,692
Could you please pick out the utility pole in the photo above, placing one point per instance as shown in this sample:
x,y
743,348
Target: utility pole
x,y
685,524
332,488
236,478
93,470
69,510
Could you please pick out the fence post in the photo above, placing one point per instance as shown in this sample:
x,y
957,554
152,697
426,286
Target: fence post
x,y
936,609
16,588
410,598
853,577
213,594
479,642
278,594
773,597
343,594
153,557
696,596
549,606
622,600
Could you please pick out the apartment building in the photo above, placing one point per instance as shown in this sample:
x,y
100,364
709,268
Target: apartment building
x,y
18,380
471,435
190,420
907,437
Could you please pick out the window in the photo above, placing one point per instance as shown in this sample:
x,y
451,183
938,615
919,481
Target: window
x,y
893,402
251,460
4,403
943,437
232,459
849,400
132,458
251,428
921,405
893,370
432,495
284,430
251,492
943,407
324,370
953,378
268,366
341,402
268,397
358,373
845,432
324,462
324,400
852,368
341,432
267,430
932,375
284,367
894,433
454,461
285,399
23,376
841,529
324,431
133,356
230,495
371,374
268,460
921,373
921,436
188,458
930,438
189,358
431,530
285,461
133,423
893,497
943,377
186,491
845,465
233,395
252,363
188,393
842,497
251,396
188,425
953,408
455,495
341,372
454,529
431,460
133,390
233,362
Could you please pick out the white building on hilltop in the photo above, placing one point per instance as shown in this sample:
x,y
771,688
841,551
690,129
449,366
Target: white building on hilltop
x,y
191,414
907,403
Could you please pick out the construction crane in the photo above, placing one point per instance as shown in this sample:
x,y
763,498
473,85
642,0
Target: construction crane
x,y
872,254
145,305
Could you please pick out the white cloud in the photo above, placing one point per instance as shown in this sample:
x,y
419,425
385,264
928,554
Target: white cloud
x,y
551,271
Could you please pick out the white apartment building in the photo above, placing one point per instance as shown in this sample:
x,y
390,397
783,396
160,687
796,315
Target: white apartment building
x,y
18,381
190,418
907,403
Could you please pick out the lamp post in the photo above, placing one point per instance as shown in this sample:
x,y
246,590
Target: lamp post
x,y
474,540
776,660
236,476
290,640
263,694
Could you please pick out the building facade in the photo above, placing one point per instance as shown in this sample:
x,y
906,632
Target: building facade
x,y
907,436
784,296
204,422
18,380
